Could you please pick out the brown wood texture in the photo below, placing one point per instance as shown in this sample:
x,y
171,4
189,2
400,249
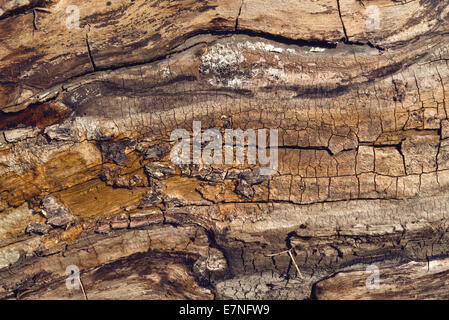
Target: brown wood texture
x,y
86,177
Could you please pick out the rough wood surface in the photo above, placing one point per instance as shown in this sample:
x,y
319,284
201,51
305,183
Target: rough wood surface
x,y
86,178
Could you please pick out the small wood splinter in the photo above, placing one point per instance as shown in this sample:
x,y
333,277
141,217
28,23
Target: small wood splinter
x,y
289,251
35,10
82,287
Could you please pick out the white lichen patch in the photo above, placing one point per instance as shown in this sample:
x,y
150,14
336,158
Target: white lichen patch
x,y
220,57
235,64
166,72
222,61
317,49
262,46
275,73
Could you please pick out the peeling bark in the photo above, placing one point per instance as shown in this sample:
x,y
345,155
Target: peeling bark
x,y
87,180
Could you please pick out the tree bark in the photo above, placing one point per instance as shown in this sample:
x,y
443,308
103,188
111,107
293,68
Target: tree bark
x,y
87,178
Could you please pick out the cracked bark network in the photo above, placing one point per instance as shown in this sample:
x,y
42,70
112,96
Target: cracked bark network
x,y
85,172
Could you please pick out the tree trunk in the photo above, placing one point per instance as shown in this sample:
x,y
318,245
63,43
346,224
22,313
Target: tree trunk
x,y
356,207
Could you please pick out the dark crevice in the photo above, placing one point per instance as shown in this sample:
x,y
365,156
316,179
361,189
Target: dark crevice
x,y
346,38
342,23
92,62
309,148
368,43
278,38
238,16
399,148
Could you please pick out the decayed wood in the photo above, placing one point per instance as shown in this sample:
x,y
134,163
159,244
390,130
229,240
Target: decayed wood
x,y
413,280
86,177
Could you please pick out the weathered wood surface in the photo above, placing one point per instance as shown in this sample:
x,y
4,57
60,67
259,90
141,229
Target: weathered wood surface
x,y
363,173
413,280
